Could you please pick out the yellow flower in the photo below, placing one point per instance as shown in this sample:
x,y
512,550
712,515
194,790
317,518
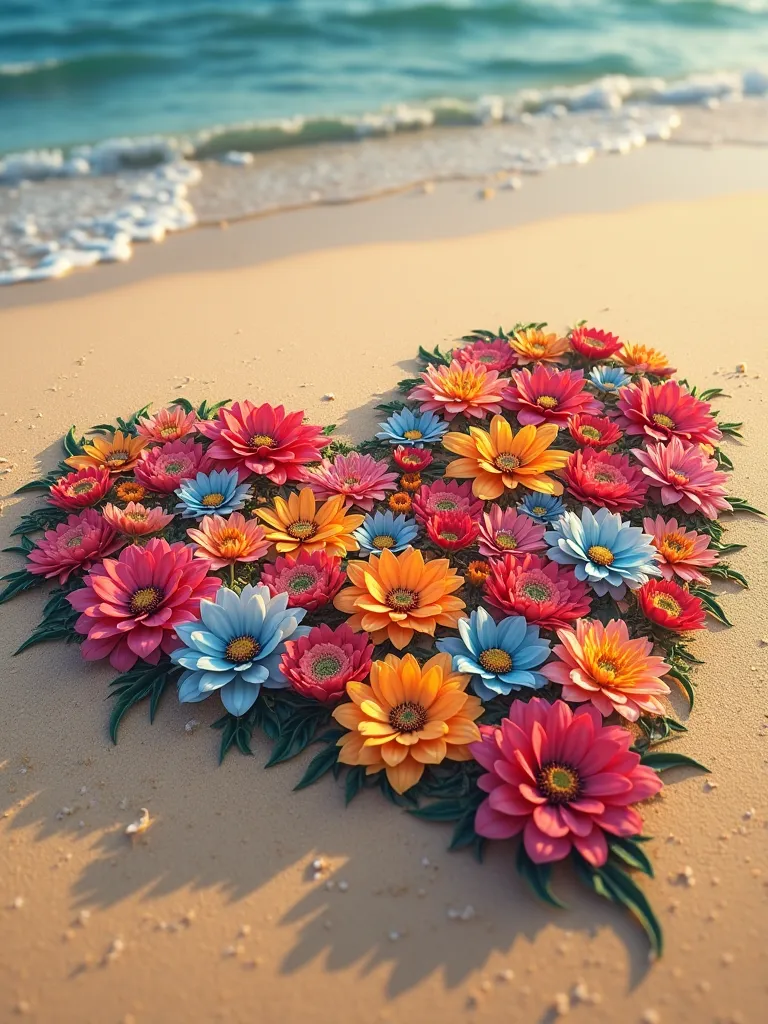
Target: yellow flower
x,y
409,716
501,459
534,346
130,491
636,358
298,524
410,481
478,572
118,454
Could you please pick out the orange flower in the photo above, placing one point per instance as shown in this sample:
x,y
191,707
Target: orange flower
x,y
299,525
226,541
637,358
130,491
396,595
534,346
410,481
118,454
409,716
400,502
478,572
500,459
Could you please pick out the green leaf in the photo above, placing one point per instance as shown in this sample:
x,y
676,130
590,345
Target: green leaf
x,y
613,883
136,685
731,429
435,357
711,605
320,765
685,682
73,446
661,761
724,572
406,800
39,519
17,582
293,740
328,430
628,849
440,810
185,404
538,877
354,783
740,505
57,623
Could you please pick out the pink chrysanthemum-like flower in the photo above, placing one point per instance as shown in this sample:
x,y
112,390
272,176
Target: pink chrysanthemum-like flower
x,y
321,664
360,478
683,475
605,480
593,431
594,344
130,606
459,388
547,395
562,778
167,425
493,355
662,411
82,541
223,541
452,531
545,593
310,580
264,440
505,532
135,520
682,553
445,496
82,489
163,468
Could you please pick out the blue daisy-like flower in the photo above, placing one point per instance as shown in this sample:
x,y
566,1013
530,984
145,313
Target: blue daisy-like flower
x,y
415,428
500,657
543,508
385,531
236,646
605,551
609,378
207,493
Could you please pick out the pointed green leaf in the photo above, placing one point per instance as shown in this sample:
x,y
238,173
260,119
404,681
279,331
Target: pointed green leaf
x,y
661,761
537,876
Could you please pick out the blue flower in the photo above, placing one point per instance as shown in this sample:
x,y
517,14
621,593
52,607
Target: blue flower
x,y
609,378
499,657
383,530
607,552
217,492
409,427
543,508
237,646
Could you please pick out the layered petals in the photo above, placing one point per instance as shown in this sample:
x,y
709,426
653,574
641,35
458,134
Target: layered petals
x,y
320,664
541,591
682,553
659,412
81,489
310,579
296,523
684,475
463,388
548,395
223,542
118,453
74,546
360,479
509,532
605,480
667,604
163,468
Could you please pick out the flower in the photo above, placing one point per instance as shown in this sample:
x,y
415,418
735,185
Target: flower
x,y
445,496
163,468
562,778
264,440
407,427
542,508
320,664
666,604
503,531
452,531
499,656
467,389
602,664
411,715
385,531
642,359
532,345
131,606
610,481
310,579
545,594
118,454
217,491
593,431
493,354
359,478
82,489
75,545
410,482
400,502
500,459
662,411
477,572
607,552
227,541
393,596
235,647
548,396
683,475
135,520
594,344
129,490
167,425
681,552
412,460
609,379
299,523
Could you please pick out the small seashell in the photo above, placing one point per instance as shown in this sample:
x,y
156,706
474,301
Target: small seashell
x,y
487,193
191,725
329,397
741,367
343,886
137,827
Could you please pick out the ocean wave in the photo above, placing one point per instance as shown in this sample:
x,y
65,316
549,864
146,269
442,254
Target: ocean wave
x,y
84,72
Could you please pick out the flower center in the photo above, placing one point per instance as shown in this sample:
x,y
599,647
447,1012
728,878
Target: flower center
x,y
171,431
408,717
326,666
539,510
536,587
146,600
546,402
175,467
594,342
410,460
230,542
678,478
242,649
668,604
591,432
506,539
448,535
83,487
137,516
487,357
300,582
261,441
609,667
75,540
538,348
559,783
213,500
130,492
402,600
600,555
662,420
674,543
607,475
412,435
117,458
446,504
495,660
302,529
383,541
506,462
351,481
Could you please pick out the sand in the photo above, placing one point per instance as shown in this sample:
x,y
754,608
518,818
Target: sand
x,y
214,914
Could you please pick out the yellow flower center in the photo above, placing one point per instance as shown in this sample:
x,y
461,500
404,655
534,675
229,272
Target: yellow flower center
x,y
662,420
242,649
559,783
137,516
594,342
409,459
117,458
495,660
413,435
538,348
212,500
678,478
506,539
146,600
302,529
261,441
600,555
130,492
606,665
402,600
546,402
591,432
383,541
171,431
667,603
83,487
351,481
230,542
539,510
75,540
408,717
506,462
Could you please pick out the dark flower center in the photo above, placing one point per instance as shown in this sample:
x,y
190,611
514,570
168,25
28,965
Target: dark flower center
x,y
242,649
117,458
667,603
445,504
302,529
559,783
83,487
662,420
146,600
408,717
300,582
326,666
506,539
496,660
506,462
402,600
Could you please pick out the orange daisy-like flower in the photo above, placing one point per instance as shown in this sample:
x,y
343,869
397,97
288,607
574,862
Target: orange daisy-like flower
x,y
410,716
130,491
393,596
478,572
118,454
500,460
534,346
226,541
299,525
410,481
400,502
637,358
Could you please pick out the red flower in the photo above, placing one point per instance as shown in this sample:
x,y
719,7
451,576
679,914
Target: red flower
x,y
321,664
608,481
493,354
412,460
452,530
593,431
666,604
547,395
594,344
309,580
663,411
84,540
82,489
545,593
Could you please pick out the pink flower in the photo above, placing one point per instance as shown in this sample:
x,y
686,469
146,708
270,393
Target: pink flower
x,y
445,496
163,468
505,532
547,395
683,475
545,593
82,541
360,478
263,440
562,778
662,411
135,520
223,541
320,665
167,425
608,481
681,552
459,388
310,580
495,354
594,344
82,489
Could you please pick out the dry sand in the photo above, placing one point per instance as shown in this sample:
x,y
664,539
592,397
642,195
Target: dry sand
x,y
214,916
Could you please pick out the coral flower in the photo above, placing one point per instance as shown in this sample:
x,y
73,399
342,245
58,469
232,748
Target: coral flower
x,y
445,496
359,478
82,541
534,346
393,596
311,580
682,552
263,440
547,395
223,541
410,716
320,664
594,344
500,460
493,355
400,502
666,604
130,606
546,594
451,390
662,411
683,475
608,481
167,425
410,482
129,490
82,489
642,359
118,454
478,572
593,431
505,531
452,531
164,467
602,664
135,520
412,460
562,778
299,523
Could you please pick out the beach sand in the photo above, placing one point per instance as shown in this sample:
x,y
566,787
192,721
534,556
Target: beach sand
x,y
214,915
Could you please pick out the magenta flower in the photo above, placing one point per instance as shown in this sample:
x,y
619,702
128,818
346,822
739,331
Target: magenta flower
x,y
81,489
163,468
309,580
495,355
82,541
445,496
662,411
506,532
321,664
545,593
360,478
548,395
683,475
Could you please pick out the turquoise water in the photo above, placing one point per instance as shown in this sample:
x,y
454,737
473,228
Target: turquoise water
x,y
74,71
